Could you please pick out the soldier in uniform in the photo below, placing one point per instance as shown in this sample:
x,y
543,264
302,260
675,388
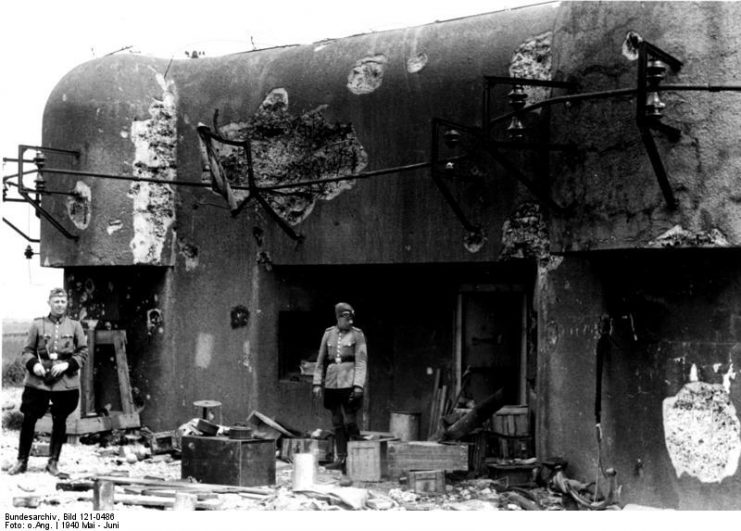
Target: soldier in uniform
x,y
55,351
340,376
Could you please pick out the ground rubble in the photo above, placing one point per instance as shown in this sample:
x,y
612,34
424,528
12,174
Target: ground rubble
x,y
141,477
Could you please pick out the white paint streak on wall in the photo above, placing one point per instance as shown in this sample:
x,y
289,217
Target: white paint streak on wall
x,y
727,377
204,350
155,140
247,356
702,432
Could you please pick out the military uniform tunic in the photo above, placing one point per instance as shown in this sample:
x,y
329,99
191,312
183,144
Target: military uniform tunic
x,y
53,340
344,354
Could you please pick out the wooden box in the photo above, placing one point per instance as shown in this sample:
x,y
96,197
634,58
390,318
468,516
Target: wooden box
x,y
424,455
162,442
367,460
512,421
515,475
321,448
513,447
427,481
224,461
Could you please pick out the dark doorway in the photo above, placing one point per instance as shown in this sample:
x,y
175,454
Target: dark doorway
x,y
491,343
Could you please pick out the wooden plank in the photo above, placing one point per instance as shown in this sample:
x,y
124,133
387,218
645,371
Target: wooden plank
x,y
186,485
122,421
106,337
87,399
432,426
122,367
153,501
103,495
425,455
184,501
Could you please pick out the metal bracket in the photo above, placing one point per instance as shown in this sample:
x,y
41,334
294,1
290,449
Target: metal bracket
x,y
649,84
39,190
222,186
491,148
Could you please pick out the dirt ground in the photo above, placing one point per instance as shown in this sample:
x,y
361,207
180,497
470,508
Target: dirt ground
x,y
86,461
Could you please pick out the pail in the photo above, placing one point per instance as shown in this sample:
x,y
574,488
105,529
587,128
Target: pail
x,y
304,467
404,425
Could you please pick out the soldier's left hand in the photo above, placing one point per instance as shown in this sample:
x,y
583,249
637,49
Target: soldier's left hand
x,y
357,393
59,368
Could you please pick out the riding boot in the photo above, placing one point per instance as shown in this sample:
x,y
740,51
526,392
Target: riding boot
x,y
340,440
19,467
24,445
58,436
353,432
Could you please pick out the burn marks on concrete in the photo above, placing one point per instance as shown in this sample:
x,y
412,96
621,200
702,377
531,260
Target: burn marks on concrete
x,y
367,74
239,316
290,148
155,158
79,205
702,432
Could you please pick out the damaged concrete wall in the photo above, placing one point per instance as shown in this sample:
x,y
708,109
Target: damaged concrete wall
x,y
123,122
609,184
670,395
135,300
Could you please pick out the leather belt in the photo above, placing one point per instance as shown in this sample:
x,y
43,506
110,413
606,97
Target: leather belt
x,y
349,357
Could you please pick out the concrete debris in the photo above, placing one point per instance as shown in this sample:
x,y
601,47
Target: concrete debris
x,y
680,237
532,60
525,234
289,148
367,74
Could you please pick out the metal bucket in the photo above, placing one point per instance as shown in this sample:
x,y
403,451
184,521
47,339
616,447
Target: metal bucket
x,y
404,425
304,468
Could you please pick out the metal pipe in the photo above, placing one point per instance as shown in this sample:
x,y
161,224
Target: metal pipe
x,y
363,175
48,217
19,231
612,93
14,175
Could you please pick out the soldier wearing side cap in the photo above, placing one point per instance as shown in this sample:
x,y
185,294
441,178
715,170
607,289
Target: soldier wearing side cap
x,y
340,377
55,351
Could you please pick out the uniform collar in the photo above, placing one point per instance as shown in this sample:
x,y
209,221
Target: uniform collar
x,y
55,320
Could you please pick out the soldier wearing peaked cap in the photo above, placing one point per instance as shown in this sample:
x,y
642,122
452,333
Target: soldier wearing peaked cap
x,y
55,351
340,377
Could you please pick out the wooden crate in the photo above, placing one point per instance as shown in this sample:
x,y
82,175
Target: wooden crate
x,y
367,460
224,461
512,421
427,481
512,447
515,475
162,442
425,455
321,448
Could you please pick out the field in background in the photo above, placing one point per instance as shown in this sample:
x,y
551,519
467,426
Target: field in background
x,y
14,337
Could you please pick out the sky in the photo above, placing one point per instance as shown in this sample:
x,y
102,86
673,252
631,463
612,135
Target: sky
x,y
43,40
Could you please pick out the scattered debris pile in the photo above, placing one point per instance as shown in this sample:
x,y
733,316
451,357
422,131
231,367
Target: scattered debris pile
x,y
680,237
